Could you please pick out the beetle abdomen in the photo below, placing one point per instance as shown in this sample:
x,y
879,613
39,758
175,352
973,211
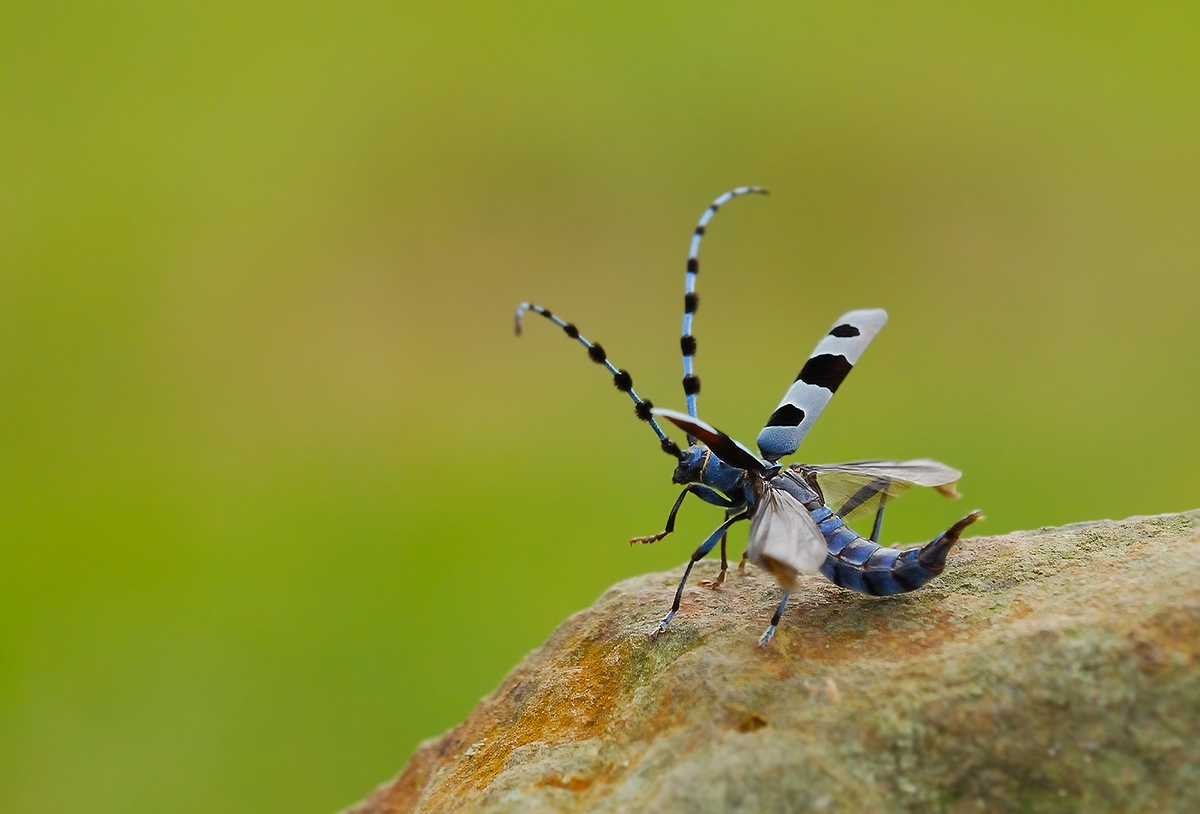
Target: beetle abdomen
x,y
857,564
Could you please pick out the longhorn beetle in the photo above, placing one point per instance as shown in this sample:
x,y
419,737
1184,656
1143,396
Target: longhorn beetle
x,y
793,528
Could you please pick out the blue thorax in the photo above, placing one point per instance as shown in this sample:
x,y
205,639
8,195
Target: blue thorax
x,y
699,465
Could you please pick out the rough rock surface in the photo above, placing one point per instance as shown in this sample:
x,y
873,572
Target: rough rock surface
x,y
1045,671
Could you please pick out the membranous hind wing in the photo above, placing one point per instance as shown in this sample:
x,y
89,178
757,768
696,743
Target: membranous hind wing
x,y
857,488
825,370
784,539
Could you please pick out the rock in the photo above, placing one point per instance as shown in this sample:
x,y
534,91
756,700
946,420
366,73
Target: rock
x,y
1044,671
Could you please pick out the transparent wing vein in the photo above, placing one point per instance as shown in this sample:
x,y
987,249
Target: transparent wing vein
x,y
854,488
784,539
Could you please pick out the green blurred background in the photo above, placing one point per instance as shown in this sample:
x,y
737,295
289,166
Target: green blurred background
x,y
281,495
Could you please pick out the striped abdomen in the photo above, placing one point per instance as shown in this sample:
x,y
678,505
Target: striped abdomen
x,y
857,564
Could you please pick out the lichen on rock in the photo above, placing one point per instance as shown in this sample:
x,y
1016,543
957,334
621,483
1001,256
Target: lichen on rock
x,y
1045,671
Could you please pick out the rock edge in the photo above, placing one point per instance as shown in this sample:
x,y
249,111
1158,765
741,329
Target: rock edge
x,y
1048,670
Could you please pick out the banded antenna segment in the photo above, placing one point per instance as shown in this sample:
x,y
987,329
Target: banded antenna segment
x,y
621,379
691,301
828,366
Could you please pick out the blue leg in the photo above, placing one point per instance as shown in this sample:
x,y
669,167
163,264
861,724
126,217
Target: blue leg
x,y
879,487
765,639
705,493
697,555
878,518
716,583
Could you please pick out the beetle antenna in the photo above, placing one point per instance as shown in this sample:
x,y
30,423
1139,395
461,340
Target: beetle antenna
x,y
621,378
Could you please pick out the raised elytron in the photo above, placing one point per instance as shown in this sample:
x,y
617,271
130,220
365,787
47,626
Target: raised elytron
x,y
793,527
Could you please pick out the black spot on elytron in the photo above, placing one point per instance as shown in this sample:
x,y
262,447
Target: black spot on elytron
x,y
671,448
788,415
596,353
688,344
693,265
845,331
691,385
690,303
571,331
700,231
642,410
623,381
827,370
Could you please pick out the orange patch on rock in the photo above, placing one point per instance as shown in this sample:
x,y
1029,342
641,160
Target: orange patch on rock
x,y
574,784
